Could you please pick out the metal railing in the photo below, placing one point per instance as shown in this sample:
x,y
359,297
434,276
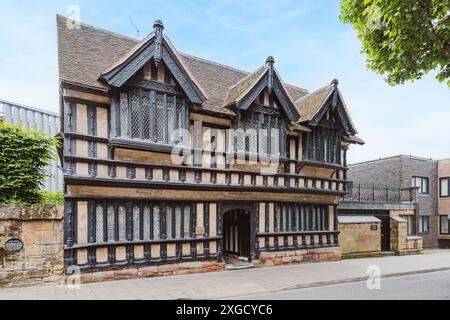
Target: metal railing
x,y
358,192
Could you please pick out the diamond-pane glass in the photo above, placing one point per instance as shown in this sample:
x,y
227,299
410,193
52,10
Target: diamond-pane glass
x,y
136,222
146,114
171,118
122,223
178,222
278,219
111,224
99,223
180,112
135,117
146,223
160,125
169,223
124,115
187,221
156,219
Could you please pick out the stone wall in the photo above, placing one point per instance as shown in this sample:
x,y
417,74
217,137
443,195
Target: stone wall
x,y
402,244
268,258
41,230
360,239
148,272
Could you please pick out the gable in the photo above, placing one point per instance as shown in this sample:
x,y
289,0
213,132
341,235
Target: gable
x,y
155,47
315,105
335,104
244,93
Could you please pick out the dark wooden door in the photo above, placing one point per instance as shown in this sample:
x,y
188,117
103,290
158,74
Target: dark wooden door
x,y
244,234
236,233
385,232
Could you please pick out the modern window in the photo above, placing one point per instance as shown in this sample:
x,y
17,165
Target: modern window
x,y
422,183
411,225
261,131
424,224
295,217
444,187
444,223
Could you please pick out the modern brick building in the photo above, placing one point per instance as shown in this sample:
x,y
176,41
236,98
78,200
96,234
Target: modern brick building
x,y
444,202
404,172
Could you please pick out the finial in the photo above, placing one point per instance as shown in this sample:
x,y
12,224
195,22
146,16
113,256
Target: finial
x,y
335,83
158,24
159,27
270,61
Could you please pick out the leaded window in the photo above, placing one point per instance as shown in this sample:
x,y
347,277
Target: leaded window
x,y
300,217
186,222
151,116
261,131
141,220
122,223
99,227
136,222
146,218
323,145
111,223
156,223
169,220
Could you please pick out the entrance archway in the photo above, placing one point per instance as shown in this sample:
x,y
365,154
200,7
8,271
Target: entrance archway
x,y
236,235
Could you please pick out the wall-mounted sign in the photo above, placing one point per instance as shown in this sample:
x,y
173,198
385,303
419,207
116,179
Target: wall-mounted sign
x,y
13,246
374,227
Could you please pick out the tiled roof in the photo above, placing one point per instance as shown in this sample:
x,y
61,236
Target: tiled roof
x,y
310,104
87,52
242,87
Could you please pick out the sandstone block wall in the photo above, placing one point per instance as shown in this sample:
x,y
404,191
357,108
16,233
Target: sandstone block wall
x,y
41,230
360,238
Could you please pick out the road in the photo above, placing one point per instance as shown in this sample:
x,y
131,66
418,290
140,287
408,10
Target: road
x,y
428,286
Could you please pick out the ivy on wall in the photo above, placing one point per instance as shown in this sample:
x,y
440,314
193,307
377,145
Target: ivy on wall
x,y
24,156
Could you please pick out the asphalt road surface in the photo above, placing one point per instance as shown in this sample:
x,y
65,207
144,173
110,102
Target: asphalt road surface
x,y
428,286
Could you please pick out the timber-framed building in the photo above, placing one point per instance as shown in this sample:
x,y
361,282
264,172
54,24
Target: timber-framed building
x,y
133,207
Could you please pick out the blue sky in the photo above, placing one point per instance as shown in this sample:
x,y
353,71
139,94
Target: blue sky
x,y
310,45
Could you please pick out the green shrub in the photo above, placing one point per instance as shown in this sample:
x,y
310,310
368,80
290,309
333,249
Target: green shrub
x,y
52,197
24,157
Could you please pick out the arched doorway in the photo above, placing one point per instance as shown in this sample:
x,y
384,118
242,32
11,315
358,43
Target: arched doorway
x,y
236,235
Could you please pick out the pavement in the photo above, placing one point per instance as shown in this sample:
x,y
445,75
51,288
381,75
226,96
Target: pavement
x,y
227,284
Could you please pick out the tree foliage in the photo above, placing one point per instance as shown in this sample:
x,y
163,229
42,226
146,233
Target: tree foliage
x,y
403,39
24,156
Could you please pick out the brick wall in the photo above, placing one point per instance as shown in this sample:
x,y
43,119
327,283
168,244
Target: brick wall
x,y
41,230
